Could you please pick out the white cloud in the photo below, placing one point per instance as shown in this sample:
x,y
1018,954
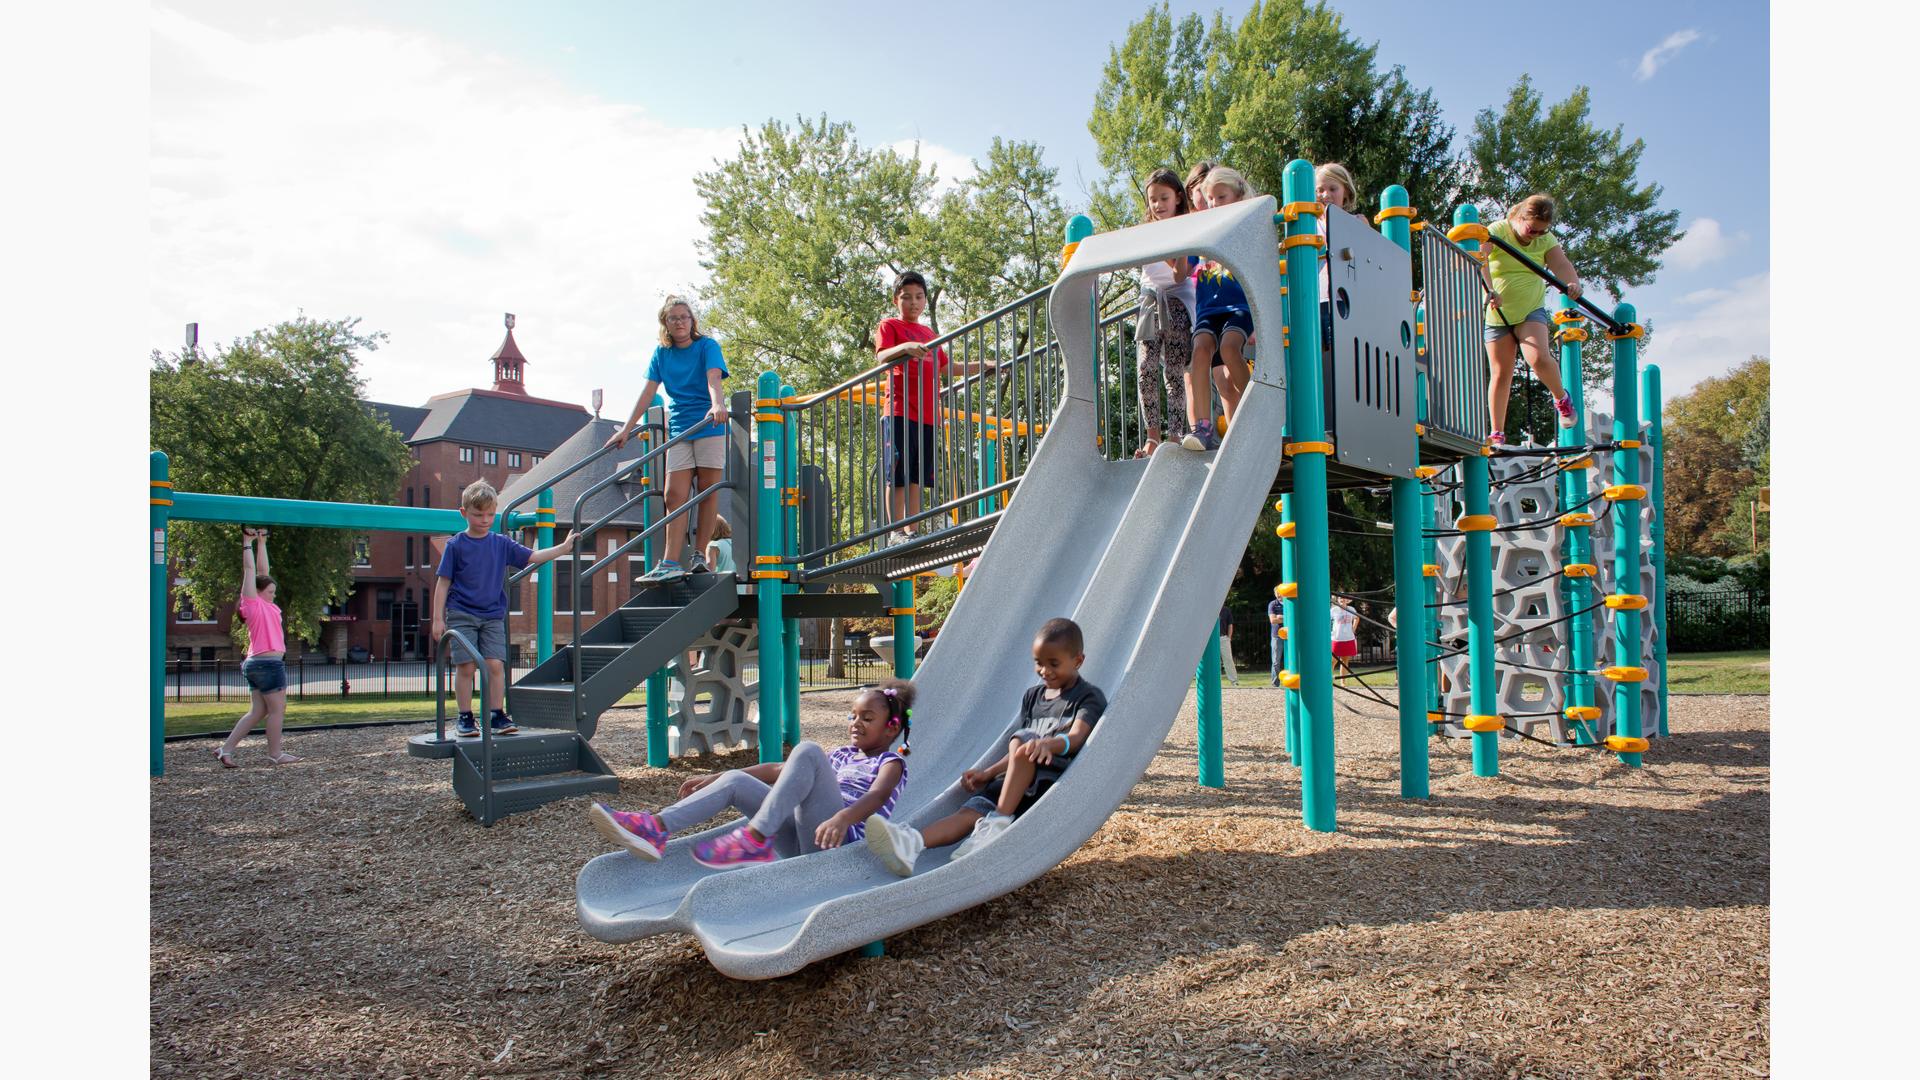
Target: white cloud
x,y
1705,241
1723,328
951,166
1652,60
423,186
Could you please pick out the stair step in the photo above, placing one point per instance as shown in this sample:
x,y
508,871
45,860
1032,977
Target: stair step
x,y
517,796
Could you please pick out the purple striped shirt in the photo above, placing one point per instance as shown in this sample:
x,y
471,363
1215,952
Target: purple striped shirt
x,y
856,773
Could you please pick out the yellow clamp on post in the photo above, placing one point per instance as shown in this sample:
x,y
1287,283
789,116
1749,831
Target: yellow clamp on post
x,y
1634,330
1576,520
1436,718
1571,315
1483,723
770,575
1469,230
1418,225
1393,212
1580,569
1486,451
160,483
1419,429
1304,240
899,611
1624,493
1573,333
1290,680
1279,506
159,502
1291,212
1281,633
1623,744
1421,351
1283,288
1630,444
765,559
1626,602
1066,253
1575,466
1286,530
1414,296
790,500
1426,472
1476,523
768,402
1308,446
770,417
1420,326
1625,674
1286,590
1429,570
1581,712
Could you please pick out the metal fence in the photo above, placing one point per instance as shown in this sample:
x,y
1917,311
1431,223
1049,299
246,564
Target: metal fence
x,y
220,680
1455,322
1733,617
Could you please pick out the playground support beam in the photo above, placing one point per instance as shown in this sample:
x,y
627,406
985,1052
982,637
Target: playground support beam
x,y
1410,630
770,438
1307,434
653,473
1476,491
790,528
543,621
159,502
1626,527
1206,704
1657,496
364,517
1578,548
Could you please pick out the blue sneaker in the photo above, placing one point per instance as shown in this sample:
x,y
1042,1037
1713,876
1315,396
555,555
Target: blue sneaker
x,y
1201,438
667,571
503,724
466,728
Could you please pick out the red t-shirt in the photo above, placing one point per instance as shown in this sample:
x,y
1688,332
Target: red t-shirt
x,y
923,373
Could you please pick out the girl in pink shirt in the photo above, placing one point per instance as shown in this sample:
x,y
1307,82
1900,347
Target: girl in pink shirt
x,y
265,668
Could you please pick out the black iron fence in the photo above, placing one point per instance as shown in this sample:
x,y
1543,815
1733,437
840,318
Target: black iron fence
x,y
1718,619
220,680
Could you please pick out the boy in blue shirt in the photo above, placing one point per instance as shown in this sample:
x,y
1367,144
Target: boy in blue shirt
x,y
470,595
689,365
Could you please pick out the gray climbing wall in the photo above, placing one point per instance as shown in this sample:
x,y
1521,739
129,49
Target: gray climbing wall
x,y
713,703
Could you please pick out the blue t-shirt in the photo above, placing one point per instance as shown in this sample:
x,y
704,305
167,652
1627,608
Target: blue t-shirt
x,y
1275,609
683,373
1215,291
478,570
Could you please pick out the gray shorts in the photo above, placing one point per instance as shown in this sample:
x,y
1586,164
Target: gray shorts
x,y
709,452
1497,330
489,635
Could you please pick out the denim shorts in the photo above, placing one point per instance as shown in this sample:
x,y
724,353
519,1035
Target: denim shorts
x,y
1496,330
1217,323
266,674
489,635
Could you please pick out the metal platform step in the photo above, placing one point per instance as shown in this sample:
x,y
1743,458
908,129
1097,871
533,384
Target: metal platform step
x,y
526,771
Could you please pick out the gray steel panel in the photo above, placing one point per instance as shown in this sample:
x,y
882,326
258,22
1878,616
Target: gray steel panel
x,y
1373,407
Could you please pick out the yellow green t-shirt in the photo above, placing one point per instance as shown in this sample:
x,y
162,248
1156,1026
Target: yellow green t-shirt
x,y
1521,290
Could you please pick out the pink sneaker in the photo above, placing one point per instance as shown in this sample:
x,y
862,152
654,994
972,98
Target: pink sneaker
x,y
734,849
642,833
1496,437
1564,407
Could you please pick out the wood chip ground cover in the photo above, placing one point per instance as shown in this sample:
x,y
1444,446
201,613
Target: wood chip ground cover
x,y
1571,918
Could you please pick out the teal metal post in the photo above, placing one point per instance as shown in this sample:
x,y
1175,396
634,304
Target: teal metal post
x,y
543,592
1306,435
770,438
1626,529
1577,590
159,501
1290,647
651,476
1409,585
790,505
1657,498
903,639
1476,492
1430,524
1206,703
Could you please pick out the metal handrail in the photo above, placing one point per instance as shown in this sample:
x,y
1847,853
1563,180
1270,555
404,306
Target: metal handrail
x,y
880,369
944,508
1607,320
440,655
507,511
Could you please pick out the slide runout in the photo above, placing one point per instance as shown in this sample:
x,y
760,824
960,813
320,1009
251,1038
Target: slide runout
x,y
970,685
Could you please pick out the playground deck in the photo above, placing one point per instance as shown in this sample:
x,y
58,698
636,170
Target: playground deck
x,y
1570,918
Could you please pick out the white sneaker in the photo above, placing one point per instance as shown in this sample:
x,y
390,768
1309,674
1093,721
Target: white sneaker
x,y
896,846
985,831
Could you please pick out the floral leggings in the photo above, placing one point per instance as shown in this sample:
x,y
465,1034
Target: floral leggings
x,y
1165,361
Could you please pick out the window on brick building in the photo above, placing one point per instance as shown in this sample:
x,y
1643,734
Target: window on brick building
x,y
383,605
513,459
492,457
538,458
409,496
183,606
466,455
409,561
563,587
362,552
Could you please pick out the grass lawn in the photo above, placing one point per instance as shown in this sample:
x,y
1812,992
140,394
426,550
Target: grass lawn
x,y
1687,673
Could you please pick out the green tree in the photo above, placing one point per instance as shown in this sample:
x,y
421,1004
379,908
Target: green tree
x,y
1735,411
1705,489
996,237
275,415
1288,81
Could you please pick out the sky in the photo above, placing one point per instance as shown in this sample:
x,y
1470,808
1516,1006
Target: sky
x,y
429,166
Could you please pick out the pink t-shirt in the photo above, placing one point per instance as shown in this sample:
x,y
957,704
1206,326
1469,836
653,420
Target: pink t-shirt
x,y
263,626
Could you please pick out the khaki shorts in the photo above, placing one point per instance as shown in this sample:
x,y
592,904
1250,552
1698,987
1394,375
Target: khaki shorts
x,y
705,453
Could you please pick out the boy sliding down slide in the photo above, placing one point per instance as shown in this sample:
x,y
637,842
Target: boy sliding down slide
x,y
1056,718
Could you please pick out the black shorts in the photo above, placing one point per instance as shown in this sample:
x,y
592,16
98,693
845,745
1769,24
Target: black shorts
x,y
909,452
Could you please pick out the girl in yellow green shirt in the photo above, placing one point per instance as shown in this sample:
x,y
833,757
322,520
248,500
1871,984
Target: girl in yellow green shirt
x,y
1517,308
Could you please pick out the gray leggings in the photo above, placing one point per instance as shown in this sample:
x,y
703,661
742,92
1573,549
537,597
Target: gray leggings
x,y
806,794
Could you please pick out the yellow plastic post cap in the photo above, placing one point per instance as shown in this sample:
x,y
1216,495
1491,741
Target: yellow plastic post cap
x,y
1483,723
1627,744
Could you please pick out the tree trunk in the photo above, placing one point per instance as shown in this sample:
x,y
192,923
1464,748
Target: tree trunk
x,y
836,650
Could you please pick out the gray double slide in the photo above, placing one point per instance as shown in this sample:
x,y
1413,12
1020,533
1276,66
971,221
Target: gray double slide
x,y
1140,553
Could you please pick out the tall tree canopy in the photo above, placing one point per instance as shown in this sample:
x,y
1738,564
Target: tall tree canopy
x,y
277,415
1718,459
806,228
1288,81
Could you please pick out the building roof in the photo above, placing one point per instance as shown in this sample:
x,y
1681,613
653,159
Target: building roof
x,y
490,417
508,350
561,458
404,419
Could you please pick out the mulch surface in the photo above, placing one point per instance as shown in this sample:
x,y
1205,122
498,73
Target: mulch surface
x,y
1572,918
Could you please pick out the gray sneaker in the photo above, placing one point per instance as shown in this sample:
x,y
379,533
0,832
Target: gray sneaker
x,y
896,846
666,572
1201,438
698,565
985,831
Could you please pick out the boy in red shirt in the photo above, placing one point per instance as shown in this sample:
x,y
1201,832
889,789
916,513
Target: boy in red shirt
x,y
911,409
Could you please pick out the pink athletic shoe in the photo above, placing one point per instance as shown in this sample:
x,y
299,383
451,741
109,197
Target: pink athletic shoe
x,y
642,833
1496,437
734,849
1564,407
